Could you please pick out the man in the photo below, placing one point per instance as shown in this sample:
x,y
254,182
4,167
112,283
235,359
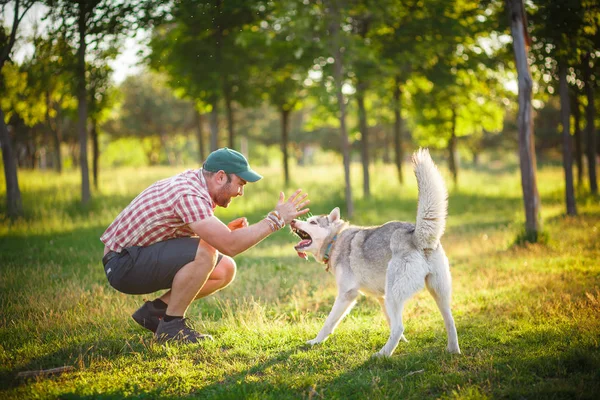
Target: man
x,y
169,238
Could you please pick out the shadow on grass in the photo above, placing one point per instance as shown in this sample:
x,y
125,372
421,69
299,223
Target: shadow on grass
x,y
76,355
63,249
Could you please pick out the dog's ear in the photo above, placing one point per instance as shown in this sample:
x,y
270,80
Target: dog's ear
x,y
334,215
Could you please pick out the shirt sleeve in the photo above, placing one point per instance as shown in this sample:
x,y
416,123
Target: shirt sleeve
x,y
191,208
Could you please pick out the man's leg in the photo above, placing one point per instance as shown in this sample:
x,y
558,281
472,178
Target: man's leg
x,y
220,278
190,279
187,283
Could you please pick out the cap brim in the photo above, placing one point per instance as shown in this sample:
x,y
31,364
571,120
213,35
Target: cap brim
x,y
249,176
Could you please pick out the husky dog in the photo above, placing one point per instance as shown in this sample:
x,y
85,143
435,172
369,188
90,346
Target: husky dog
x,y
390,262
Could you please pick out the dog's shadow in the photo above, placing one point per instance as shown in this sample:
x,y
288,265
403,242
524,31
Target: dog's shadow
x,y
373,375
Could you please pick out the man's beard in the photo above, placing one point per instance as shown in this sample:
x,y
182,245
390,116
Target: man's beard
x,y
223,198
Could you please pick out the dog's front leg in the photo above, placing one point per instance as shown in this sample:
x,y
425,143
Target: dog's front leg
x,y
342,306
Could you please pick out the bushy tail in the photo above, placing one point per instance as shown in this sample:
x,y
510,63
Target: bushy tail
x,y
433,202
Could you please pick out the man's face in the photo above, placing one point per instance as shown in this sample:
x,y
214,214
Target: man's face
x,y
230,188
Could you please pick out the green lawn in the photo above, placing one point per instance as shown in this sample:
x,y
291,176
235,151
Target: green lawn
x,y
528,318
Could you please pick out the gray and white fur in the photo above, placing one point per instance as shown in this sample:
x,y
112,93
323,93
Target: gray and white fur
x,y
390,262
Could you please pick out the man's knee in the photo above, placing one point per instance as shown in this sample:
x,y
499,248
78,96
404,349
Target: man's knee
x,y
228,268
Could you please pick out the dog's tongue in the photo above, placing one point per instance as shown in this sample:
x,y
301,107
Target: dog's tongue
x,y
302,254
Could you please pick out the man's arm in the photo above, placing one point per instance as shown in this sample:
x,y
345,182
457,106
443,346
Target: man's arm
x,y
232,242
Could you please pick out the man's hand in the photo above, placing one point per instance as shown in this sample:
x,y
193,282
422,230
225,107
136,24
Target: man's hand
x,y
238,223
293,207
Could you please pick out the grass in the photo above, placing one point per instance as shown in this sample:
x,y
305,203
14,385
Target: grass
x,y
528,317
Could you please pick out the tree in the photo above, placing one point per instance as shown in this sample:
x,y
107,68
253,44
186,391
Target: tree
x,y
590,112
558,35
531,197
89,25
565,114
99,100
14,204
49,76
149,109
333,13
286,51
198,48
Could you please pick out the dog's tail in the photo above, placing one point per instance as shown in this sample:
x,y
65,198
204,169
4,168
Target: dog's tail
x,y
433,202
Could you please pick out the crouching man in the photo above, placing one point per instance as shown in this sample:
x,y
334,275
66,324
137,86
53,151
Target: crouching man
x,y
169,238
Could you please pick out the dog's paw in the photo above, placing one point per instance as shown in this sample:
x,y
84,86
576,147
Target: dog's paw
x,y
314,341
380,355
453,350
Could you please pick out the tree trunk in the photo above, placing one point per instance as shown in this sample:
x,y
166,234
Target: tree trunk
x,y
200,136
214,127
14,205
452,151
56,138
577,136
590,128
387,143
82,108
565,114
364,133
285,116
95,151
230,122
218,32
54,132
398,128
338,76
531,197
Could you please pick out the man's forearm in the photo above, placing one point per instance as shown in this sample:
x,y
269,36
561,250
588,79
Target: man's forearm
x,y
242,239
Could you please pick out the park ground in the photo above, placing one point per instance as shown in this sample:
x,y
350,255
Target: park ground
x,y
528,317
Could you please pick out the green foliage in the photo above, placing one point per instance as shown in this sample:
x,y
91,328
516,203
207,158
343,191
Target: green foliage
x,y
197,47
18,99
150,108
526,316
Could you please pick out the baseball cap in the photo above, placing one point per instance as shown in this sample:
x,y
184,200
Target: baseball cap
x,y
231,162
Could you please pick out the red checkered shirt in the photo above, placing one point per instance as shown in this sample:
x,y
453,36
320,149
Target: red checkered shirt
x,y
162,211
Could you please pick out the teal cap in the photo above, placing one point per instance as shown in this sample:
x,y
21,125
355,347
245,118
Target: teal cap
x,y
230,162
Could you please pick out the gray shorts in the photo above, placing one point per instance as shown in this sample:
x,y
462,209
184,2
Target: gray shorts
x,y
142,270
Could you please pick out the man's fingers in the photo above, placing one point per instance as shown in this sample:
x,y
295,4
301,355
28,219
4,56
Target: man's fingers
x,y
302,205
302,212
297,200
293,196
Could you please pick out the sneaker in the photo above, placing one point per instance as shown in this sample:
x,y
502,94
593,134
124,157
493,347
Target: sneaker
x,y
149,316
178,329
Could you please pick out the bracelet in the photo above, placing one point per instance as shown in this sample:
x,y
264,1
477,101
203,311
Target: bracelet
x,y
280,221
271,224
275,219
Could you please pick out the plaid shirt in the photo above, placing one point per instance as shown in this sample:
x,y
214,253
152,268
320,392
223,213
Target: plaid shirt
x,y
161,212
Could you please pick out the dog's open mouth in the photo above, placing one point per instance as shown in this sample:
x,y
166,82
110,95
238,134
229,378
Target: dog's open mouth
x,y
304,243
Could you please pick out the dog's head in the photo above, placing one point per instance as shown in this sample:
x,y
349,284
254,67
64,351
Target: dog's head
x,y
316,231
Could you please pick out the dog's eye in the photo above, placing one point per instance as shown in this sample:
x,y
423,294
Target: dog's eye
x,y
313,222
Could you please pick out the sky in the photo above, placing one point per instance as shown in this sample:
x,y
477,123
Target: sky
x,y
126,63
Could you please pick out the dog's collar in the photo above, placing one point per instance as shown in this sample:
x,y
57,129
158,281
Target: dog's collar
x,y
328,253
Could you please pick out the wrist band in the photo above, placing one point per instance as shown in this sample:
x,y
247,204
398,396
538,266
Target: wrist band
x,y
271,224
280,221
274,218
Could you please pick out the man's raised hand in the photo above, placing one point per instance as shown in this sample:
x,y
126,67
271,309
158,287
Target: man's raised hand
x,y
293,207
